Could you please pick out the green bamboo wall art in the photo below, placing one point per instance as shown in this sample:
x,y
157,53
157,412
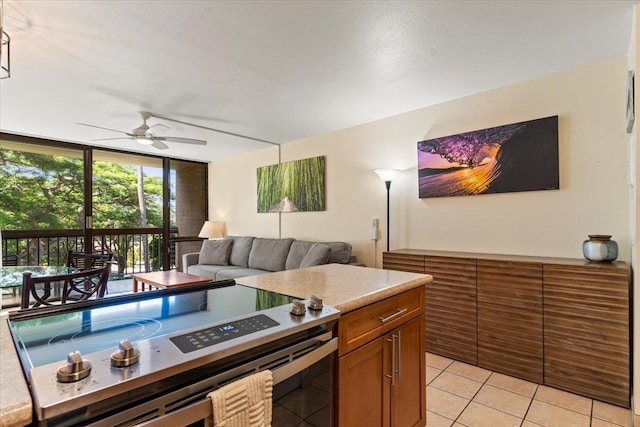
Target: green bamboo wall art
x,y
296,186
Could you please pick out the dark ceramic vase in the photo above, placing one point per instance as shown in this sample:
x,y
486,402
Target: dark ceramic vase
x,y
600,248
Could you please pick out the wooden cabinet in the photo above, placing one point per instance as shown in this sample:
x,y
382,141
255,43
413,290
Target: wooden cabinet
x,y
586,331
510,318
381,363
560,322
413,263
450,303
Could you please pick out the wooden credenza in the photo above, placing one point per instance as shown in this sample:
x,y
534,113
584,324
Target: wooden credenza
x,y
554,321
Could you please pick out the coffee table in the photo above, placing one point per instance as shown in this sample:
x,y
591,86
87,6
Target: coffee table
x,y
166,279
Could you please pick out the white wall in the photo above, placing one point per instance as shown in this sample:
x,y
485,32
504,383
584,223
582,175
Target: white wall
x,y
593,198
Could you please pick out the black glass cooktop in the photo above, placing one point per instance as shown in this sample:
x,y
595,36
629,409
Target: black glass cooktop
x,y
41,340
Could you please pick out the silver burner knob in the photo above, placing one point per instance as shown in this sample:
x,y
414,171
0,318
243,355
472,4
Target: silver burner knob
x,y
297,307
315,303
76,368
125,356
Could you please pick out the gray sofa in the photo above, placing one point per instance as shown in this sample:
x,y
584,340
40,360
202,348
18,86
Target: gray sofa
x,y
239,256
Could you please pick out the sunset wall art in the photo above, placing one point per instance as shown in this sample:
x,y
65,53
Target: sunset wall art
x,y
516,157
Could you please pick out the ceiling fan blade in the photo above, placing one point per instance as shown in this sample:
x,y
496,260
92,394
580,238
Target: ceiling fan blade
x,y
184,140
159,127
100,127
122,138
159,145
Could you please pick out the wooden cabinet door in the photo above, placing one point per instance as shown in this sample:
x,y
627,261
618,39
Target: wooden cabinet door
x,y
365,385
510,318
406,408
403,262
586,331
450,301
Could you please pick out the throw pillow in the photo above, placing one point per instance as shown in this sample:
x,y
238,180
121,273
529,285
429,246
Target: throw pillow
x,y
340,252
269,254
317,255
241,250
296,254
215,252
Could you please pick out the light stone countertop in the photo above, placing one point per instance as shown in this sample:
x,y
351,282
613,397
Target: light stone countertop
x,y
345,287
15,400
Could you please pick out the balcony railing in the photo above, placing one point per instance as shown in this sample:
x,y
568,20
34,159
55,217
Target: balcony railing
x,y
134,250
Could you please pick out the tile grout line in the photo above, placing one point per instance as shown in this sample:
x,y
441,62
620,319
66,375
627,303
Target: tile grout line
x,y
531,399
529,407
471,400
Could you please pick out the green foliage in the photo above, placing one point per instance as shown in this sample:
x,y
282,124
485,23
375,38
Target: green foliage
x,y
41,191
155,253
115,197
302,181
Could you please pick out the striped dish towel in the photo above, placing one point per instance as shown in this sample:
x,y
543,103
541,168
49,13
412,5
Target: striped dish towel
x,y
244,403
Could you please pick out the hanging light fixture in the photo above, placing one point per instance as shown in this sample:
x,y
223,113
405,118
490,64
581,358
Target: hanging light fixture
x,y
5,48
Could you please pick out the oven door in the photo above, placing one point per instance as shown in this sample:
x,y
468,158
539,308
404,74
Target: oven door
x,y
302,390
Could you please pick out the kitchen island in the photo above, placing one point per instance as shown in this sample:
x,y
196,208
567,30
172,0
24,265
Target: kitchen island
x,y
381,338
345,287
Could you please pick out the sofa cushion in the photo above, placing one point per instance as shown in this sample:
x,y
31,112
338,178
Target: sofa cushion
x,y
240,250
296,254
209,270
269,254
317,255
215,252
237,272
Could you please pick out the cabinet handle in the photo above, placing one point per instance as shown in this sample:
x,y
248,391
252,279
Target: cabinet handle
x,y
393,360
399,311
399,354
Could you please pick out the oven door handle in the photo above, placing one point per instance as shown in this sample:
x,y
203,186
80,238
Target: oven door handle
x,y
309,359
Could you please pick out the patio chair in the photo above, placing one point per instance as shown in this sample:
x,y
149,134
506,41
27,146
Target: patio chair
x,y
10,260
75,287
83,261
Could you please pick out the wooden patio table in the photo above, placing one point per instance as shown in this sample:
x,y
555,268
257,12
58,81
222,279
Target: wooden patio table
x,y
166,279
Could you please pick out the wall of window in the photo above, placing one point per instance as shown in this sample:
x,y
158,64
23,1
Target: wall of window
x,y
56,196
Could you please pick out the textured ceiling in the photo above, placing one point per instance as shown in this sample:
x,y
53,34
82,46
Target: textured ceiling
x,y
278,71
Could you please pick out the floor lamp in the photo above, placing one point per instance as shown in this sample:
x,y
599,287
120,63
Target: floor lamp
x,y
387,175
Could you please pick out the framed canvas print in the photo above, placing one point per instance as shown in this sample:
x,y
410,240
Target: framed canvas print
x,y
516,157
296,186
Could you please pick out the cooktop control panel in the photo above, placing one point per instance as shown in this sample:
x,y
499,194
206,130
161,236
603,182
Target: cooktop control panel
x,y
217,334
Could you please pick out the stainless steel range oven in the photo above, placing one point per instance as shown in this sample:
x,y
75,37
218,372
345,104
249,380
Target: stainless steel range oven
x,y
153,357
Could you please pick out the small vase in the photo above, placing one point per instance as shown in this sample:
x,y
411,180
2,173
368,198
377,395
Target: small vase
x,y
600,248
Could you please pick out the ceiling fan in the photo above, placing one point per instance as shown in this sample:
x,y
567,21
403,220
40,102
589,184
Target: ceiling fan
x,y
143,135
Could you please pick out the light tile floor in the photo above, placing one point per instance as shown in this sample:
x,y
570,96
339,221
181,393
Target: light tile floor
x,y
460,395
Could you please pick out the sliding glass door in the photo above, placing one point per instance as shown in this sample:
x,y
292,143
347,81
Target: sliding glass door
x,y
55,196
42,209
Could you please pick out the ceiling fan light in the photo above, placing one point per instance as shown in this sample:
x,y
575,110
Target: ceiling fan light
x,y
144,141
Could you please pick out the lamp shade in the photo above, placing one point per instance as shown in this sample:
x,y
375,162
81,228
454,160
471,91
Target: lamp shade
x,y
211,230
387,175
